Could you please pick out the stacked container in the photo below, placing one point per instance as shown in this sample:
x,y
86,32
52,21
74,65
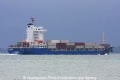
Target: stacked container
x,y
65,44
79,45
11,45
15,45
61,45
57,41
52,45
53,41
96,45
19,43
25,44
101,47
105,45
64,41
71,45
88,45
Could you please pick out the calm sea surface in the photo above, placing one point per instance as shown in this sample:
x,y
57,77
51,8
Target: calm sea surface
x,y
60,67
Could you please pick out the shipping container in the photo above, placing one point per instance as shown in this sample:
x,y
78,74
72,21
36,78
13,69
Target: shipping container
x,y
23,46
15,45
70,46
61,44
105,45
23,42
64,41
101,47
61,47
52,47
90,46
96,44
79,43
27,43
53,41
77,47
71,43
19,43
86,44
52,44
11,45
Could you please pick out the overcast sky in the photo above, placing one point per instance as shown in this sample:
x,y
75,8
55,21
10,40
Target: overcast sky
x,y
73,20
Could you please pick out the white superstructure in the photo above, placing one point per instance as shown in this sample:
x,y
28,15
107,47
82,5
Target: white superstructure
x,y
34,33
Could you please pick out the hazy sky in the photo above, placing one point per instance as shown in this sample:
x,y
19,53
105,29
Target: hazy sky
x,y
73,20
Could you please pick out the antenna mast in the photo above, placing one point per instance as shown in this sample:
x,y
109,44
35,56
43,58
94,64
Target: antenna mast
x,y
32,20
103,38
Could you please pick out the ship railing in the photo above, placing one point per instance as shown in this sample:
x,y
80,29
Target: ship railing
x,y
18,47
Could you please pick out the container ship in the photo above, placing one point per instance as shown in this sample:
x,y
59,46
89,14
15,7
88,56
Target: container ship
x,y
35,45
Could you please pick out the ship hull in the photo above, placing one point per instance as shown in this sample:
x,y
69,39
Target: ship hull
x,y
46,51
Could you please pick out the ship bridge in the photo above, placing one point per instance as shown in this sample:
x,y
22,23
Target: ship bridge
x,y
34,33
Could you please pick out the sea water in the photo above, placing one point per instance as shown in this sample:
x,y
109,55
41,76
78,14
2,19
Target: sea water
x,y
60,67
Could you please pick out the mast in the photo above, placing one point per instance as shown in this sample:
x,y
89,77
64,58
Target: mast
x,y
32,20
103,38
